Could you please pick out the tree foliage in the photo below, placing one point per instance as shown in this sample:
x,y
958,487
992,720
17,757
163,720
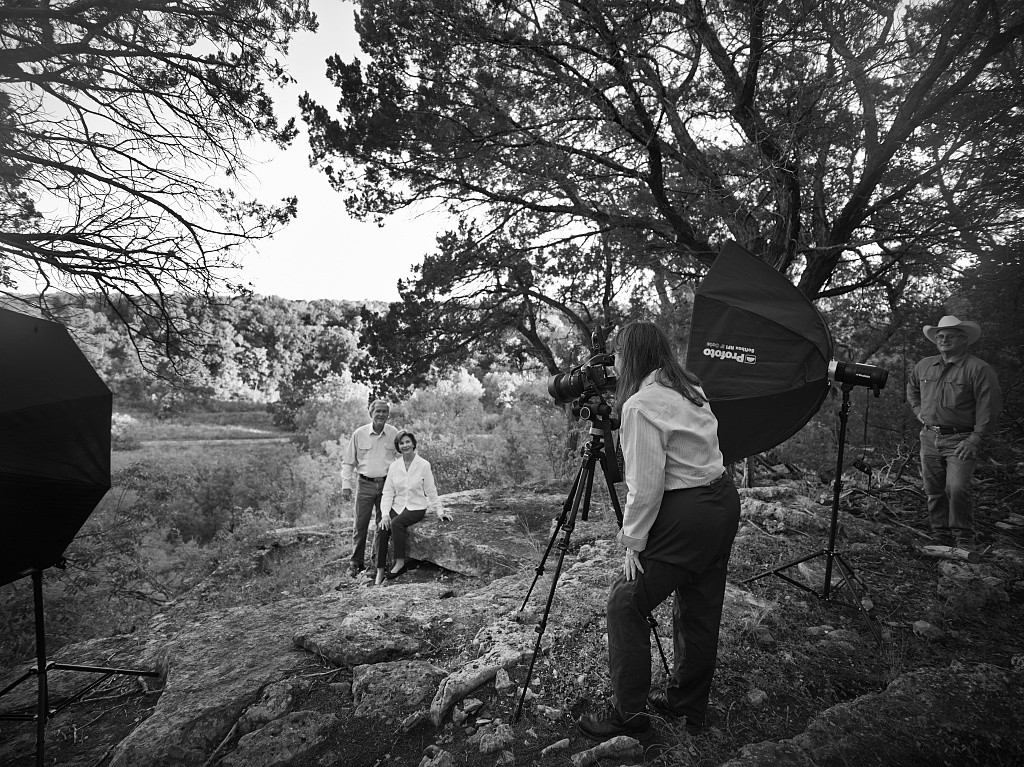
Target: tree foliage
x,y
265,350
122,126
600,153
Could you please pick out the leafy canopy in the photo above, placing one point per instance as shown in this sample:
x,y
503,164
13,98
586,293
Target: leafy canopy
x,y
601,152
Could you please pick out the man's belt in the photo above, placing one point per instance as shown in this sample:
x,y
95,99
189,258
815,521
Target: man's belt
x,y
371,479
949,429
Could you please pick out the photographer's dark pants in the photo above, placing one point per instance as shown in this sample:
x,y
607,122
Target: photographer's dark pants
x,y
400,523
692,539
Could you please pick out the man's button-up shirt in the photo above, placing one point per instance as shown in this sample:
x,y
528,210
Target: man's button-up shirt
x,y
962,393
368,453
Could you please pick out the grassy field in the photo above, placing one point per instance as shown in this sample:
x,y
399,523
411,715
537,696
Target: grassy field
x,y
140,426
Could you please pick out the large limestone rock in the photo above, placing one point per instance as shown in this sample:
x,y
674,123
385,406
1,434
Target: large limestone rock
x,y
390,692
220,666
226,668
287,740
485,536
923,717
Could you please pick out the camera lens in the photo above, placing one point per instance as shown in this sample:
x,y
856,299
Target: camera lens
x,y
565,387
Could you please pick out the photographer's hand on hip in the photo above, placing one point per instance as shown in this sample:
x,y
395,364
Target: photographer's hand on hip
x,y
631,566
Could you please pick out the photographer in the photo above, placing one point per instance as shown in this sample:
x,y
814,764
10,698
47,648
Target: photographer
x,y
681,516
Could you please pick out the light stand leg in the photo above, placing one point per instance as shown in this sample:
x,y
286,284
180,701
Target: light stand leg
x,y
43,700
43,711
831,556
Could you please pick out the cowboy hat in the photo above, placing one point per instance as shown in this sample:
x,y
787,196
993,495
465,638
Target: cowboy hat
x,y
972,329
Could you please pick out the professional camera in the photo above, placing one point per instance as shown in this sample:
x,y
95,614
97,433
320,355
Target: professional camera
x,y
859,374
594,376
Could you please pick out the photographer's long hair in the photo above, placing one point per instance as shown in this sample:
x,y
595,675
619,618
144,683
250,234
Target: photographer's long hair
x,y
641,347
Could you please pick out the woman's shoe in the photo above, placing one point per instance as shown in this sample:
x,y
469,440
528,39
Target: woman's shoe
x,y
401,570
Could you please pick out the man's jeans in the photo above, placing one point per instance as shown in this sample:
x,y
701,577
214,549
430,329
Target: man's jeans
x,y
368,495
947,484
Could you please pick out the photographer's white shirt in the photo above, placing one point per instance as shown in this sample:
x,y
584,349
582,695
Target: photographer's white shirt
x,y
410,488
668,443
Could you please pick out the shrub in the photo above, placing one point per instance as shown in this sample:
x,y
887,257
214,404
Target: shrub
x,y
460,463
123,435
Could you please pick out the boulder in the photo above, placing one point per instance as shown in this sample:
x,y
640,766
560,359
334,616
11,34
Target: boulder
x,y
485,536
221,665
968,588
976,710
284,742
390,692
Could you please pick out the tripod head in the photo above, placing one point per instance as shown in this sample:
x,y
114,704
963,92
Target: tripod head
x,y
593,408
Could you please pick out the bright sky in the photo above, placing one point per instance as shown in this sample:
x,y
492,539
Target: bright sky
x,y
323,253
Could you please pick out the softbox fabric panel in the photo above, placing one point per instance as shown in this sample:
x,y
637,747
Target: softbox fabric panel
x,y
54,442
761,350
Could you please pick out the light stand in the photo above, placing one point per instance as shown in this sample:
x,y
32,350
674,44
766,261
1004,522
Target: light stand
x,y
43,710
850,579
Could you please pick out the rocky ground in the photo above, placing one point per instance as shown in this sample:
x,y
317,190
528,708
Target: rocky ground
x,y
282,660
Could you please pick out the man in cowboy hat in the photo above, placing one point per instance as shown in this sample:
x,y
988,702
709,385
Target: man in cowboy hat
x,y
957,398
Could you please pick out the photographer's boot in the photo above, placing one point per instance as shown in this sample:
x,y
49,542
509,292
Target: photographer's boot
x,y
610,724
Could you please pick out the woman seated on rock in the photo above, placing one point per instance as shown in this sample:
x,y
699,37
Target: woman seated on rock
x,y
410,487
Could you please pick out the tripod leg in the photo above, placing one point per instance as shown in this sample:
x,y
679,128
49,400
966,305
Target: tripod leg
x,y
570,502
611,490
540,635
584,479
653,623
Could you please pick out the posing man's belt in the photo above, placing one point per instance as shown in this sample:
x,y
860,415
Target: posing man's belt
x,y
372,479
949,429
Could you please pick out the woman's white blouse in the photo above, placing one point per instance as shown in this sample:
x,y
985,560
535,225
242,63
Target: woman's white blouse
x,y
410,488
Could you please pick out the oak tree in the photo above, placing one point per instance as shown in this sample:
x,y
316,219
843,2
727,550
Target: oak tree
x,y
852,144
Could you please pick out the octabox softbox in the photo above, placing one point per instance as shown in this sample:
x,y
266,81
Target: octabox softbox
x,y
762,352
54,442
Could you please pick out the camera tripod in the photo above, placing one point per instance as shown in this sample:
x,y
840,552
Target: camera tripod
x,y
832,557
578,499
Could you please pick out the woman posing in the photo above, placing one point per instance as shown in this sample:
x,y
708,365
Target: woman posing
x,y
681,515
409,486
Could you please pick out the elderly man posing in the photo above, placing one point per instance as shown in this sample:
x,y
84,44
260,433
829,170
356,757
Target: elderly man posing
x,y
957,398
369,453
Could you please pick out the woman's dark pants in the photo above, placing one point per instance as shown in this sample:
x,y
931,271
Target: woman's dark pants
x,y
708,518
400,523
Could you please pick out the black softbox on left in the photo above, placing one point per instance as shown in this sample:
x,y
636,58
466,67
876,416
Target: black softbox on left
x,y
54,443
762,351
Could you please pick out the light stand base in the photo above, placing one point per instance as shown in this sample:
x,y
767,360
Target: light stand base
x,y
849,579
832,557
43,711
